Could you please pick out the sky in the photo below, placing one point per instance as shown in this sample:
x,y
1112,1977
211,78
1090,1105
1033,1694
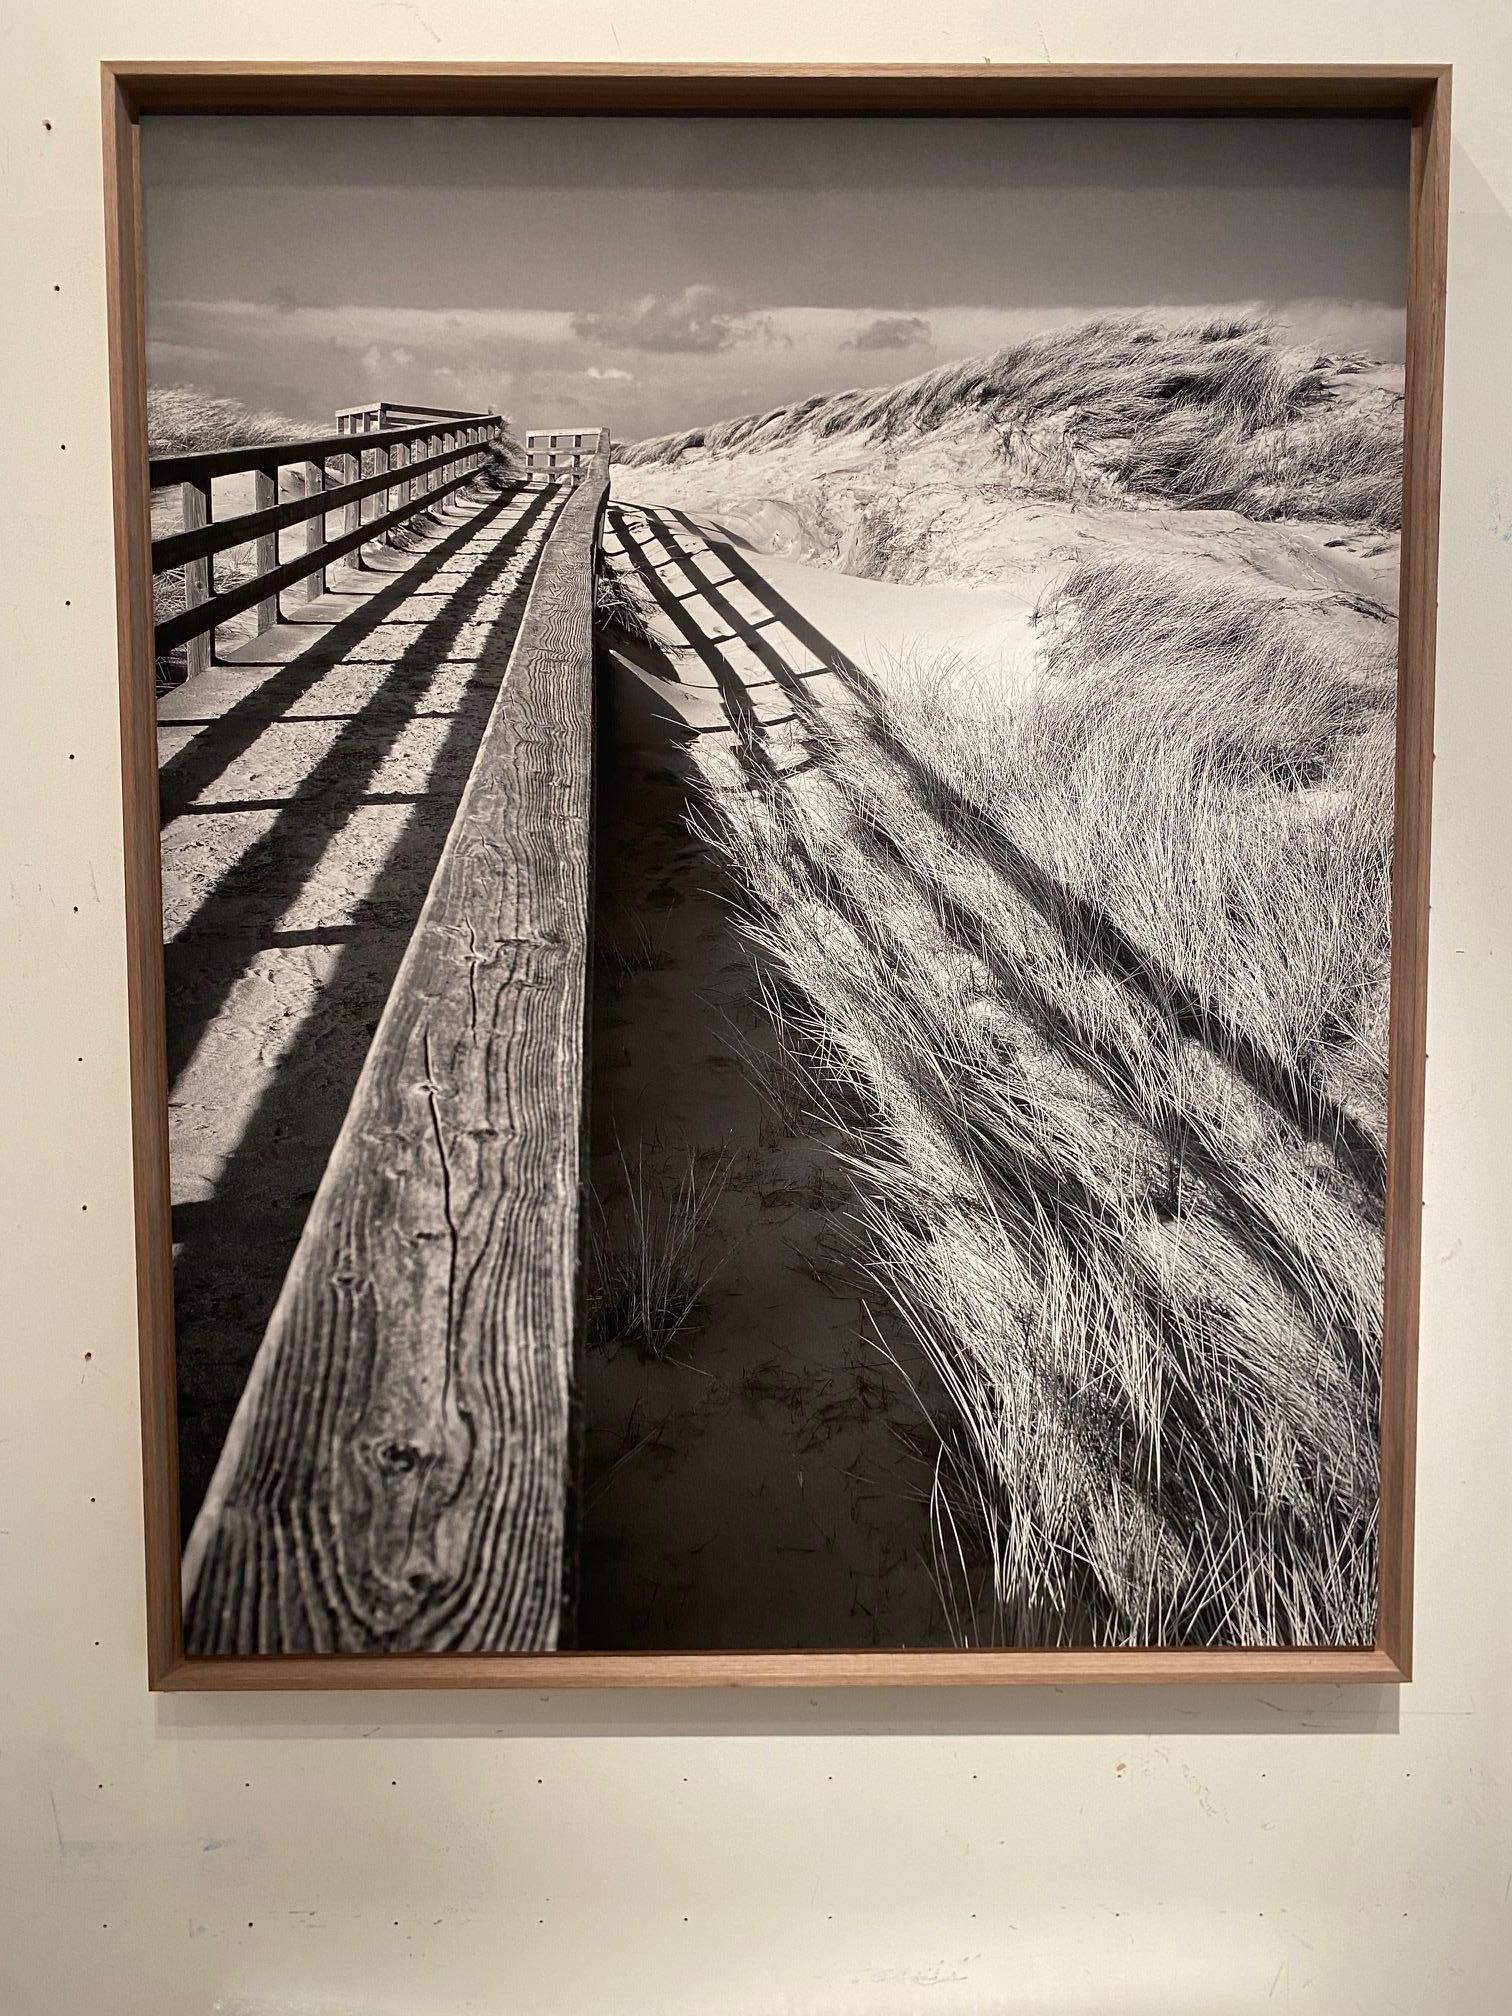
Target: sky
x,y
651,274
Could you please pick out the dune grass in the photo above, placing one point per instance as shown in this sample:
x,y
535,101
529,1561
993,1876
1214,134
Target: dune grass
x,y
621,607
648,1274
1210,414
1097,984
182,420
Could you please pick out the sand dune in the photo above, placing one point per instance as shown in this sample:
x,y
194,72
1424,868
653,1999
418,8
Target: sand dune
x,y
1048,747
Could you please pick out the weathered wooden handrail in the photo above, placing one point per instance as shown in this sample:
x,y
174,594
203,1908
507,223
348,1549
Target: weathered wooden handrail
x,y
457,439
199,464
174,548
262,589
398,406
396,1476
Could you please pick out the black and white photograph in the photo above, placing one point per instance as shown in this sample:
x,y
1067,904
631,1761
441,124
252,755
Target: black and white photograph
x,y
777,750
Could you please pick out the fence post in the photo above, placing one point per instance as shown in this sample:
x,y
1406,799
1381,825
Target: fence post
x,y
382,462
265,559
351,472
199,652
315,529
399,496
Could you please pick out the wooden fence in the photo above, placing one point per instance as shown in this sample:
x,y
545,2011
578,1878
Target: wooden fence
x,y
423,460
564,451
397,1475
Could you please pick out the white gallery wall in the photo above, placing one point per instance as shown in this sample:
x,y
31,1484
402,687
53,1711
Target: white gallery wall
x,y
1178,1852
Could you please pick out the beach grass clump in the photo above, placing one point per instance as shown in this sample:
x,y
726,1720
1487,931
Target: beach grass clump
x,y
182,420
1210,413
649,1258
1098,978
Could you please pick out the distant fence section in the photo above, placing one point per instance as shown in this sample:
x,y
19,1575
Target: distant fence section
x,y
349,492
564,451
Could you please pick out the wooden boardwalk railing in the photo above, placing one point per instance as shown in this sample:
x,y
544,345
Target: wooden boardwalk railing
x,y
422,460
397,1473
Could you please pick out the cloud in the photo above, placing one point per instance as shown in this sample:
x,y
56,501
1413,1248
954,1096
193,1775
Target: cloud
x,y
379,360
610,374
891,332
355,325
700,319
164,357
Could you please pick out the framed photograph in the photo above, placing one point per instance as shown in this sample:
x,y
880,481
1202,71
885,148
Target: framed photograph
x,y
777,736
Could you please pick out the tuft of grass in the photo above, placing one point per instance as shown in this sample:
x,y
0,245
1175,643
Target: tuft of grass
x,y
1097,979
1215,414
620,606
639,947
647,1279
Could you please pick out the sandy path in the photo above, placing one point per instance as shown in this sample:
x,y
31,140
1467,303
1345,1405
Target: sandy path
x,y
308,788
759,1488
710,583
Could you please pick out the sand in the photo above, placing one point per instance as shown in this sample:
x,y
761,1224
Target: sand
x,y
765,1485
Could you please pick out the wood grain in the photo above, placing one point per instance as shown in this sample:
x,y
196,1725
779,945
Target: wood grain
x,y
265,497
1428,252
396,1474
1197,1667
789,88
198,581
315,528
1419,90
143,882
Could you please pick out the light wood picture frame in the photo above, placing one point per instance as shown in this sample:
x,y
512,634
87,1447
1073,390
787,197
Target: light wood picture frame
x,y
560,619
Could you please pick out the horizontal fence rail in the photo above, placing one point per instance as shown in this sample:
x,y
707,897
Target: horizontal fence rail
x,y
174,548
423,462
380,413
197,464
397,1476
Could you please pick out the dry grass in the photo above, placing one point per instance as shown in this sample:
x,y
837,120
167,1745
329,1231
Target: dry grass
x,y
181,420
621,608
1102,975
639,946
1209,414
648,1264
